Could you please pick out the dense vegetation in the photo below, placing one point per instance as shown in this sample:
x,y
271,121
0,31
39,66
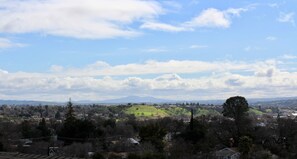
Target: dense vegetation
x,y
144,131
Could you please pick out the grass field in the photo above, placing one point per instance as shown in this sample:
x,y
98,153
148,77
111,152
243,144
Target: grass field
x,y
177,111
145,111
255,111
148,111
202,111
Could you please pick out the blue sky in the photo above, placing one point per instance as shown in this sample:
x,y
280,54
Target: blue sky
x,y
191,49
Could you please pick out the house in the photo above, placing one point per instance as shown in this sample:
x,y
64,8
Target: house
x,y
227,153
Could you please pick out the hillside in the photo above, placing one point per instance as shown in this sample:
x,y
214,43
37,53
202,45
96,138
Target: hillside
x,y
148,111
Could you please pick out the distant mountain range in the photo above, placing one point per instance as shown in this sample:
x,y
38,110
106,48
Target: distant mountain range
x,y
25,102
286,101
137,99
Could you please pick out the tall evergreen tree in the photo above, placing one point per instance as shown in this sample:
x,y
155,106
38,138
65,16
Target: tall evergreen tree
x,y
42,127
69,116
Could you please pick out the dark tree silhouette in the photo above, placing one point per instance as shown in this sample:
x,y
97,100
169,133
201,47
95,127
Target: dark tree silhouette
x,y
245,146
237,108
69,116
154,134
42,127
76,129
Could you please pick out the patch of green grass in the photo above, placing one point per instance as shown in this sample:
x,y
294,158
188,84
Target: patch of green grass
x,y
148,111
255,111
203,111
177,111
145,111
268,110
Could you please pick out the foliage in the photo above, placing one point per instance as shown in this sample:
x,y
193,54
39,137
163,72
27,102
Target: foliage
x,y
70,113
29,130
195,132
154,134
245,145
44,130
146,156
98,155
106,127
76,129
235,107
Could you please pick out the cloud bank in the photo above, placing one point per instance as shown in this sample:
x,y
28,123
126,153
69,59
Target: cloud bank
x,y
168,79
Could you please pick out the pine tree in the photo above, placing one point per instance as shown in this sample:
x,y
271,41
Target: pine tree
x,y
42,127
69,116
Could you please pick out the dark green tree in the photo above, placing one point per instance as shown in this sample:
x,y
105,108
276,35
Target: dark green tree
x,y
58,115
44,130
76,129
69,116
154,134
195,131
245,146
69,126
27,129
237,108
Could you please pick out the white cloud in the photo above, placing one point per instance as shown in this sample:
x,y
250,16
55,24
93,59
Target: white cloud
x,y
162,27
273,5
289,57
271,38
287,18
155,67
94,19
265,73
56,68
252,48
198,46
234,82
235,11
172,5
210,18
155,50
205,80
6,43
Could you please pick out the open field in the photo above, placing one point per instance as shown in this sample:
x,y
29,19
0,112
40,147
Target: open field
x,y
148,111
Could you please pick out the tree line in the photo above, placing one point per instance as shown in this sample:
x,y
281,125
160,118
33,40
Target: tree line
x,y
166,137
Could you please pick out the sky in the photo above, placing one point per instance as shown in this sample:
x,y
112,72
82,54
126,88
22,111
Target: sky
x,y
51,50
